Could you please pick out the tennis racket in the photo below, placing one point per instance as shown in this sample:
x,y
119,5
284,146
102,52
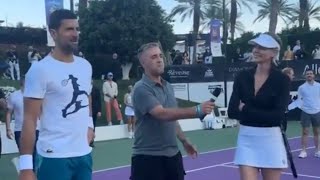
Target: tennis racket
x,y
289,154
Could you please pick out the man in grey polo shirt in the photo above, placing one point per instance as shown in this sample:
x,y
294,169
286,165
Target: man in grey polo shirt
x,y
155,151
309,94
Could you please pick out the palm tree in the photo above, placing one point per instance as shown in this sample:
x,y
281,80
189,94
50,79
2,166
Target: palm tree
x,y
274,9
196,9
303,16
234,13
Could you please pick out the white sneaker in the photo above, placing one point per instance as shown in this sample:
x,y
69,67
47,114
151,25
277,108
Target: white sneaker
x,y
317,154
121,122
303,154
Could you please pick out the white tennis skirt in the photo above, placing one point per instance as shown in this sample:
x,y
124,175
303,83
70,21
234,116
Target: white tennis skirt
x,y
129,111
260,147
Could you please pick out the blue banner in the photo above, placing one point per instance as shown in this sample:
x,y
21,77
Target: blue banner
x,y
215,26
52,5
215,38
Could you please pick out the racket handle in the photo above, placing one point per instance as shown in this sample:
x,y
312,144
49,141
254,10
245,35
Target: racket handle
x,y
202,117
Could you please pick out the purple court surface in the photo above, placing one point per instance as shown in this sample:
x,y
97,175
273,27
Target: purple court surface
x,y
218,165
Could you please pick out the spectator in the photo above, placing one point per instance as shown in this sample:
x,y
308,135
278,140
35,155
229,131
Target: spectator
x,y
110,92
288,54
116,67
129,112
30,50
35,56
300,53
207,56
186,59
178,59
12,56
316,52
297,46
237,56
199,59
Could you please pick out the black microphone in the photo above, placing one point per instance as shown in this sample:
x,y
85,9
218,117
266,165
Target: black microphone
x,y
215,92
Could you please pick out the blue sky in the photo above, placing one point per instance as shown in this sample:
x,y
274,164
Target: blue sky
x,y
33,14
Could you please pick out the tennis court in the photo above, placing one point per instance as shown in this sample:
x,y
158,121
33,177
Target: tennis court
x,y
218,165
112,158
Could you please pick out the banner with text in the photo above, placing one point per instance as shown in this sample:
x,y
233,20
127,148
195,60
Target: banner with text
x,y
215,38
50,6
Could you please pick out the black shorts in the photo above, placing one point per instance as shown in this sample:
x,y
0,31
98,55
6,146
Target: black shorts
x,y
145,167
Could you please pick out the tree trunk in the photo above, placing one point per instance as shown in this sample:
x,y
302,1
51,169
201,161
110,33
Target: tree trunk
x,y
303,14
306,24
274,16
233,18
126,70
196,24
71,5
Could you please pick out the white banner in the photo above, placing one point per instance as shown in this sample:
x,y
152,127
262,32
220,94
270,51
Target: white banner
x,y
200,92
181,91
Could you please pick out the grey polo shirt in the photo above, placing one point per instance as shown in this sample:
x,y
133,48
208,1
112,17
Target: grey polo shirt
x,y
153,136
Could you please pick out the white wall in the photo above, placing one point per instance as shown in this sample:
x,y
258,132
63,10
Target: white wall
x,y
102,133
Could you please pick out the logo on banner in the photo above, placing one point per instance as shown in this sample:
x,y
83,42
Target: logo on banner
x,y
215,90
313,67
178,74
208,73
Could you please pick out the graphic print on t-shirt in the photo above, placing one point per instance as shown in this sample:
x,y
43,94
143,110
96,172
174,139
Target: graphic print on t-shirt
x,y
76,93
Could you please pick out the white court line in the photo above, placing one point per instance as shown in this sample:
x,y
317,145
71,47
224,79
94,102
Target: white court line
x,y
227,164
207,152
285,173
208,167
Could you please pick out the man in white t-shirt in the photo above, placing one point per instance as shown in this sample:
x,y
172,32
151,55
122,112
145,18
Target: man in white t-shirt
x,y
309,95
15,106
57,90
297,46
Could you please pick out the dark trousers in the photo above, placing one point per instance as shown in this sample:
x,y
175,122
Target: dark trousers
x,y
17,135
145,167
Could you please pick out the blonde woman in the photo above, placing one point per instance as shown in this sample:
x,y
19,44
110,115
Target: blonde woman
x,y
259,100
129,111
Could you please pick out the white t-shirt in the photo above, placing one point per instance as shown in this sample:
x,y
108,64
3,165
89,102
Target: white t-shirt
x,y
15,104
64,89
309,95
316,54
296,48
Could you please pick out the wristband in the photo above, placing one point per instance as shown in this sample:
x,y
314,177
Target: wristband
x,y
26,162
90,123
198,110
